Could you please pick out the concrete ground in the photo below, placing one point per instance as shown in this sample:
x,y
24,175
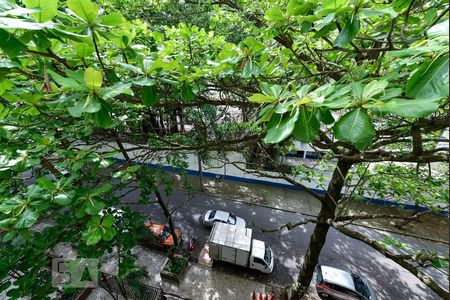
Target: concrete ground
x,y
199,282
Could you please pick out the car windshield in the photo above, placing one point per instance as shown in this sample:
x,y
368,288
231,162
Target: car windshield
x,y
212,214
268,255
232,219
361,287
165,233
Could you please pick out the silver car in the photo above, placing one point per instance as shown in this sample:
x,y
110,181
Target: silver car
x,y
212,216
332,283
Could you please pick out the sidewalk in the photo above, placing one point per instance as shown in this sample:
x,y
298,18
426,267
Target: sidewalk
x,y
198,283
429,227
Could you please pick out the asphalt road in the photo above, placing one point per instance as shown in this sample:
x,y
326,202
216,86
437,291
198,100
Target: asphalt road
x,y
389,279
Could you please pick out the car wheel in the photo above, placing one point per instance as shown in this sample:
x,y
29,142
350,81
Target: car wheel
x,y
324,296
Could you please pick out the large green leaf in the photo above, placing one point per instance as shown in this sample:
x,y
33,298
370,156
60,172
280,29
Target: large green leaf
x,y
13,23
355,127
66,82
108,233
93,236
374,88
281,130
440,29
85,9
306,127
333,4
117,89
187,93
148,95
10,45
430,80
49,9
113,19
409,108
261,98
26,219
93,79
298,7
102,118
88,104
349,31
274,14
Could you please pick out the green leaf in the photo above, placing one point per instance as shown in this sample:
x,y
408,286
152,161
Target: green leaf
x,y
12,23
148,95
93,206
298,7
93,236
374,88
306,127
281,130
108,233
440,29
347,34
102,189
63,199
27,218
102,118
93,79
274,14
370,13
117,89
260,98
83,50
113,19
355,127
408,108
325,116
66,82
250,69
49,9
46,183
85,9
88,104
187,93
430,80
108,220
9,44
333,4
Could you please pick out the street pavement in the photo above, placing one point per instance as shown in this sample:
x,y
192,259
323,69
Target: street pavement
x,y
389,279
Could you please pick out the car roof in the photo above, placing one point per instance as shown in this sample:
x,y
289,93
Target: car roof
x,y
338,276
221,215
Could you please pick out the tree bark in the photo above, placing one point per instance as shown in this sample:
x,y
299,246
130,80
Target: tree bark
x,y
319,235
168,215
200,172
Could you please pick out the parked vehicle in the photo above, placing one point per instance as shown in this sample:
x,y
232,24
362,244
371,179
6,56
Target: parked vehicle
x,y
332,283
161,236
212,216
235,245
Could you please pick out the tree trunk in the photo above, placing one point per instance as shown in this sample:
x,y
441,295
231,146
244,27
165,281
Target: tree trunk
x,y
200,172
319,235
168,216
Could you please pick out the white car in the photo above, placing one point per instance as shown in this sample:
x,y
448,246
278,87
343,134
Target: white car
x,y
332,283
212,216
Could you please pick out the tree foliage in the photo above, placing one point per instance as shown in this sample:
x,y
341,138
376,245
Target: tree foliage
x,y
366,81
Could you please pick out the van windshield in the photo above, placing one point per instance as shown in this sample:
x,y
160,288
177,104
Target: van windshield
x,y
268,255
232,219
361,287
